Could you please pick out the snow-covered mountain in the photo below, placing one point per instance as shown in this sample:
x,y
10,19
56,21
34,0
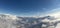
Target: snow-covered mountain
x,y
12,21
32,22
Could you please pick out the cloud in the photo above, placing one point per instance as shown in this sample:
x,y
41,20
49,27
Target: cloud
x,y
54,12
7,20
8,16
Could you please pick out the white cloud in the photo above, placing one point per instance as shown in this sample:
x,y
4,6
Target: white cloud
x,y
7,20
53,12
8,16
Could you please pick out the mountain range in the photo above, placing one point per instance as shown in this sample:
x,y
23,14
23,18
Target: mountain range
x,y
12,21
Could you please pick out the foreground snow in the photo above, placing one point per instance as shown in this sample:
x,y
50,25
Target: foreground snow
x,y
58,25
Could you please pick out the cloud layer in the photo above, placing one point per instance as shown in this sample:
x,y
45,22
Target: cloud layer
x,y
12,21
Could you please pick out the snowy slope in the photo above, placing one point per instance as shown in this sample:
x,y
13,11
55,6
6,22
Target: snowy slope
x,y
58,25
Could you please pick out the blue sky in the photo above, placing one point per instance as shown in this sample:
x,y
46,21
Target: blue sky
x,y
28,7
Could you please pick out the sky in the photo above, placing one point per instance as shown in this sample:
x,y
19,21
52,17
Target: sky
x,y
29,7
